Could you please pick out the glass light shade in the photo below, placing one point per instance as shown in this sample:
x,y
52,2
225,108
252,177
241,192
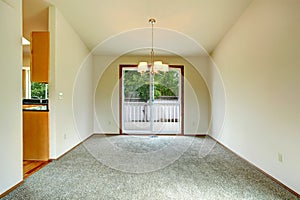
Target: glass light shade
x,y
142,67
164,68
157,66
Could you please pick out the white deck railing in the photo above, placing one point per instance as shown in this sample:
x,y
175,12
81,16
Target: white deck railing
x,y
162,112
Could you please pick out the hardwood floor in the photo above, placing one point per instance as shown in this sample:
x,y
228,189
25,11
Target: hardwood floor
x,y
31,166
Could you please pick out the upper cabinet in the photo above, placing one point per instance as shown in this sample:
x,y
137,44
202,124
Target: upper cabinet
x,y
40,56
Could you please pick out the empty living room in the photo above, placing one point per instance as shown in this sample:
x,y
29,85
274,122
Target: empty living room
x,y
150,100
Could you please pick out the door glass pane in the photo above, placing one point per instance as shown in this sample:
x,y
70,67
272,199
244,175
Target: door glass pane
x,y
166,105
135,101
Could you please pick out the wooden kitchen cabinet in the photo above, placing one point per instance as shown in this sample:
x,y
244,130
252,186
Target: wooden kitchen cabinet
x,y
35,135
40,56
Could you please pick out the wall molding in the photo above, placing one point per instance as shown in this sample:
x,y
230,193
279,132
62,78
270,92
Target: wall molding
x,y
11,189
259,169
62,155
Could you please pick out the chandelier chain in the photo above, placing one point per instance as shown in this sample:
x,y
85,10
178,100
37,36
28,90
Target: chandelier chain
x,y
155,66
152,22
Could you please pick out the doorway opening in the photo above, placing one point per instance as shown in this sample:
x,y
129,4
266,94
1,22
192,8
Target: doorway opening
x,y
151,103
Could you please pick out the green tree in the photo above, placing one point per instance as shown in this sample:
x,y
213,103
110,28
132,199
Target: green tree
x,y
138,86
132,81
38,90
164,91
170,81
144,92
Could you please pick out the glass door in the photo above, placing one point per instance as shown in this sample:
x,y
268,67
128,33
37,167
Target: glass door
x,y
151,103
135,101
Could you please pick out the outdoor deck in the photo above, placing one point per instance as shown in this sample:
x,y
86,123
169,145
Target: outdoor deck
x,y
165,117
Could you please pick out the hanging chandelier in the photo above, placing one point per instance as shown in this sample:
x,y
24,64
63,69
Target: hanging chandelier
x,y
153,66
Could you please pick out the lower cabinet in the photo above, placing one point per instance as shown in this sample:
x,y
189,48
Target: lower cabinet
x,y
35,135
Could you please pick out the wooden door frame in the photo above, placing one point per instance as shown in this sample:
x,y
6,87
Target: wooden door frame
x,y
181,67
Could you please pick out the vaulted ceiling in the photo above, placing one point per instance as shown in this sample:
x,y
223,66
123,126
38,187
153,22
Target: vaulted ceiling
x,y
205,21
35,16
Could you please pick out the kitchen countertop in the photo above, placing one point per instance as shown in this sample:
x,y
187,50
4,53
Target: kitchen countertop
x,y
35,108
35,105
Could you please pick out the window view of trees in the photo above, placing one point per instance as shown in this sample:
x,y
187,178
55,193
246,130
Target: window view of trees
x,y
138,86
39,90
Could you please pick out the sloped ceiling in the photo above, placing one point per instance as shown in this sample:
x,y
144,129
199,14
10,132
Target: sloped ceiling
x,y
205,21
35,16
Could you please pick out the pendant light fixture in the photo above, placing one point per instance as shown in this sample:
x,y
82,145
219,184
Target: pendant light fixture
x,y
153,66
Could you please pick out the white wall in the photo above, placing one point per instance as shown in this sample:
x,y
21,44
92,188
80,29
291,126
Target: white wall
x,y
260,65
196,95
211,74
83,99
11,155
67,54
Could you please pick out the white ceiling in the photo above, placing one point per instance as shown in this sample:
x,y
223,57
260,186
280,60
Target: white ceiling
x,y
139,40
204,21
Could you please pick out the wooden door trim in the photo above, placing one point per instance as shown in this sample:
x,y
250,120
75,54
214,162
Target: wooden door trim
x,y
181,67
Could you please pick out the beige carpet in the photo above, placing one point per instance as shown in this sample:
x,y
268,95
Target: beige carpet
x,y
146,168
